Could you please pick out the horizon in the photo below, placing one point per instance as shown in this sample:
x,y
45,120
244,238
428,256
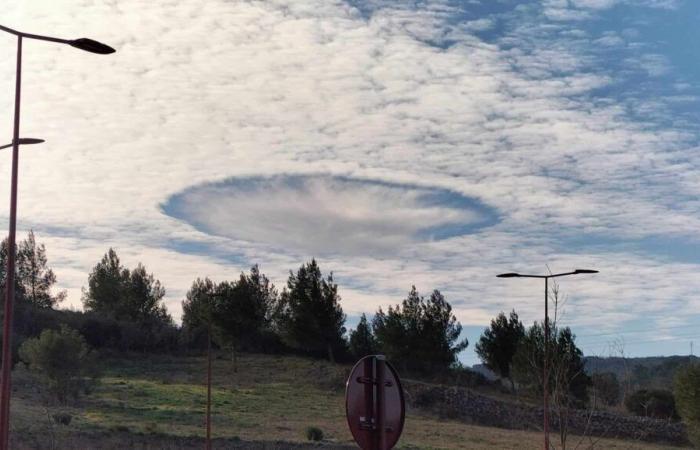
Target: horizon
x,y
435,144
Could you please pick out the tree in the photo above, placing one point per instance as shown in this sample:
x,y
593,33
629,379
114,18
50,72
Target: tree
x,y
656,403
243,310
498,344
419,334
35,275
310,316
567,380
62,360
134,296
197,309
106,285
362,341
607,388
686,390
34,279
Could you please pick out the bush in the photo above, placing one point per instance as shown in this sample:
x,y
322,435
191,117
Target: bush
x,y
62,418
687,391
62,361
314,434
655,403
607,388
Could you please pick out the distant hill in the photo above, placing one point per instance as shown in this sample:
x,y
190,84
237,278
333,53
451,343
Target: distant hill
x,y
649,372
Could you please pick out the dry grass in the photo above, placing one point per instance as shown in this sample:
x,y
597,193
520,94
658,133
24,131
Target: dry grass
x,y
159,402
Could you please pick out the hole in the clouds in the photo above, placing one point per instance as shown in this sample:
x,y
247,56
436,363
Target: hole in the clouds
x,y
326,215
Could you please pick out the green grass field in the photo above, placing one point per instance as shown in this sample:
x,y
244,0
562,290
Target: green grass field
x,y
149,401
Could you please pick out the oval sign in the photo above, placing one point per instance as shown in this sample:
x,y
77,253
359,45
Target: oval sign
x,y
374,400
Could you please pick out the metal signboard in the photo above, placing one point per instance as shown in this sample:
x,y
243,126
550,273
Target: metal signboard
x,y
374,404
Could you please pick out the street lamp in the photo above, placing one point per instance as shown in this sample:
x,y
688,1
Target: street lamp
x,y
23,141
83,44
546,336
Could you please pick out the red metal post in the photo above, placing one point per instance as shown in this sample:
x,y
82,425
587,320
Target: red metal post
x,y
208,443
369,397
545,374
5,381
381,401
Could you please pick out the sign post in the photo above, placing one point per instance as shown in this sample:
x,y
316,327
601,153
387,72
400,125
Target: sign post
x,y
374,404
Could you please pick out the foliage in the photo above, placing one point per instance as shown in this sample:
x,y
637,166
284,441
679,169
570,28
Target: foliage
x,y
128,296
243,309
607,388
125,295
362,341
686,391
421,335
565,363
498,344
309,315
34,278
314,434
656,403
62,360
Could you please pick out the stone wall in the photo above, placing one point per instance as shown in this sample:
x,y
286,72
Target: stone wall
x,y
474,408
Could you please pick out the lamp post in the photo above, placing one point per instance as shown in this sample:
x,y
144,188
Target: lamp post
x,y
83,44
545,371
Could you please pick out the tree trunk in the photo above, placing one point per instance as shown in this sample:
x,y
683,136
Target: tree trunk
x,y
331,358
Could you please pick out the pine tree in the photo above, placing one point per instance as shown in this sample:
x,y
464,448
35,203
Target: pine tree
x,y
362,342
498,344
310,316
421,335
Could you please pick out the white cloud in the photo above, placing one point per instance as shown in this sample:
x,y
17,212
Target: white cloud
x,y
205,91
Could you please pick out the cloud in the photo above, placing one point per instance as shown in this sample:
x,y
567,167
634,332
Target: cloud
x,y
532,117
322,215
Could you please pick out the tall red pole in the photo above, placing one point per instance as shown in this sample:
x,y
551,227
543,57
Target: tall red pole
x,y
5,382
208,443
546,365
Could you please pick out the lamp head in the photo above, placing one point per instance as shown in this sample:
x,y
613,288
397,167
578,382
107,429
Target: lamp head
x,y
585,271
91,46
508,275
29,141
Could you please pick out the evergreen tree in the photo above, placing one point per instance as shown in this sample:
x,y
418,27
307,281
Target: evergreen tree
x,y
135,296
419,334
35,275
498,344
567,381
310,316
686,390
362,342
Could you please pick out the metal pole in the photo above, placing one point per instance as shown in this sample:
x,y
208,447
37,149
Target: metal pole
x,y
369,399
381,402
5,388
546,365
208,443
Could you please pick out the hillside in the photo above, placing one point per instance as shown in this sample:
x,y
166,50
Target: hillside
x,y
649,372
147,401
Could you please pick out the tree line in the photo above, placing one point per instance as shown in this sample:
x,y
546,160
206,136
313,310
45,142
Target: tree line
x,y
123,310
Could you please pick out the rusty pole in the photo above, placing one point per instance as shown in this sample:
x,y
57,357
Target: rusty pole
x,y
381,401
10,278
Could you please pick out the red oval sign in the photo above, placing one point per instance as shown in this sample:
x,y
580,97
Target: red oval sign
x,y
374,402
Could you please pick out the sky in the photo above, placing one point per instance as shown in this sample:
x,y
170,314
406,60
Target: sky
x,y
434,143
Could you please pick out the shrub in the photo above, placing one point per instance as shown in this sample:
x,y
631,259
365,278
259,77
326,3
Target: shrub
x,y
655,403
687,391
62,418
607,388
62,361
314,434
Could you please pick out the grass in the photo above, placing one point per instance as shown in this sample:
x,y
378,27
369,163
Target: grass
x,y
270,398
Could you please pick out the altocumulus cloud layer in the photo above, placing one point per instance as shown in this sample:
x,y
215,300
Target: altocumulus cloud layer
x,y
571,122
